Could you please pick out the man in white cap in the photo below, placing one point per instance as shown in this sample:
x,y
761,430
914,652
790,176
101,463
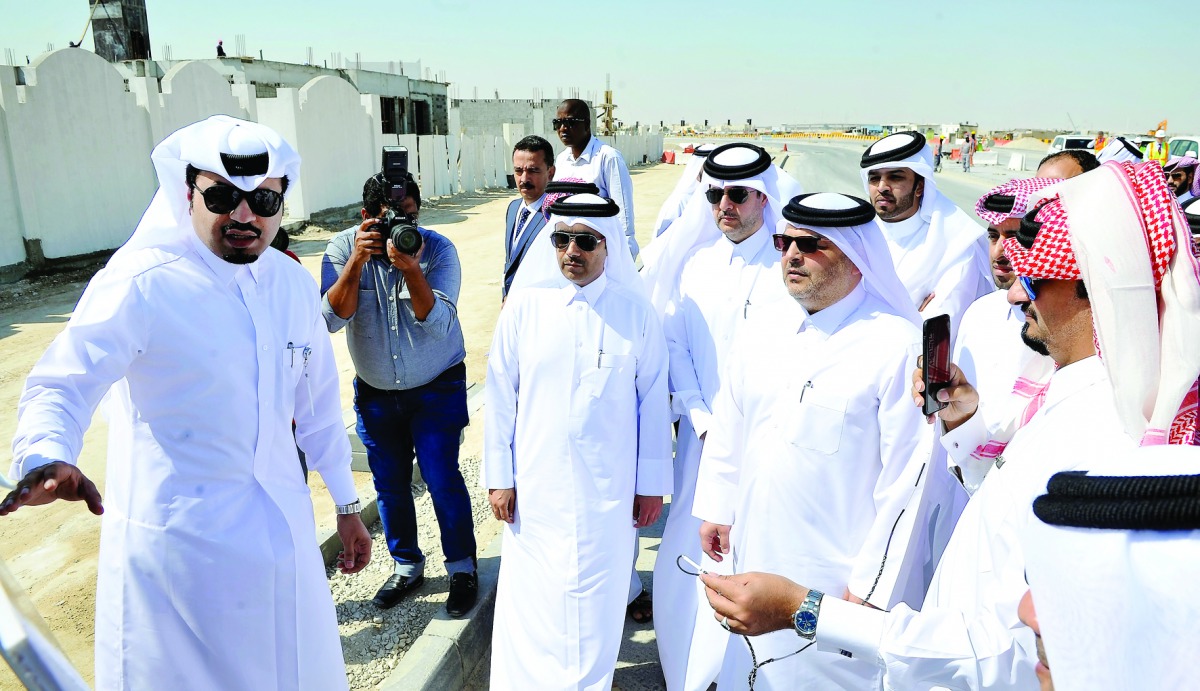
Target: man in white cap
x,y
814,466
939,252
1112,564
577,449
208,345
1102,262
1157,150
679,197
727,276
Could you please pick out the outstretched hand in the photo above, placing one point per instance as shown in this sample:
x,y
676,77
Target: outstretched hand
x,y
46,483
959,394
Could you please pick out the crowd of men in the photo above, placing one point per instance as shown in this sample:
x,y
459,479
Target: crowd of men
x,y
761,370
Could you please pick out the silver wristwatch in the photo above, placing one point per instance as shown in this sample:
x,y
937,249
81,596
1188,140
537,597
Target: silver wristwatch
x,y
346,509
805,618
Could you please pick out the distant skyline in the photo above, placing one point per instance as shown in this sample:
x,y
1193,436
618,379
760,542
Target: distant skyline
x,y
1020,63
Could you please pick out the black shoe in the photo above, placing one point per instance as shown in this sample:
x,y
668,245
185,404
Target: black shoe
x,y
395,588
464,588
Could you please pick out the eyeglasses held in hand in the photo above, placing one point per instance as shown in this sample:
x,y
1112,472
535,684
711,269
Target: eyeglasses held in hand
x,y
1030,285
559,123
584,241
737,195
223,199
805,244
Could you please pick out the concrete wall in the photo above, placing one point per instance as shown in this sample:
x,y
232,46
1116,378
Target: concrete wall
x,y
76,134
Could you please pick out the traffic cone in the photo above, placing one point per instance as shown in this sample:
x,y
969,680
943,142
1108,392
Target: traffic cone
x,y
785,147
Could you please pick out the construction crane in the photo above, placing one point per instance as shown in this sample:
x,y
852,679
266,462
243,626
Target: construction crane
x,y
607,122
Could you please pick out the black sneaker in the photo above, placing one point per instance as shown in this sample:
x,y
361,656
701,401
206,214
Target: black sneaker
x,y
464,588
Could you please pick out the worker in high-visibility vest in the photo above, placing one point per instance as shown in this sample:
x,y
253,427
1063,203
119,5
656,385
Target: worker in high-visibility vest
x,y
1099,144
1157,150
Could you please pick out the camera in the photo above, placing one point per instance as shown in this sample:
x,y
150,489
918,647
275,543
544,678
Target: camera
x,y
399,227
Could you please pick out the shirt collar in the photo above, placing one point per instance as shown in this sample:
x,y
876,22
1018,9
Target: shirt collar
x,y
225,271
588,151
590,293
536,206
901,231
828,320
750,247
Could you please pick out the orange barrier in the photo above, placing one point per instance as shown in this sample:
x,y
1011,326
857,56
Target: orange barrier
x,y
668,157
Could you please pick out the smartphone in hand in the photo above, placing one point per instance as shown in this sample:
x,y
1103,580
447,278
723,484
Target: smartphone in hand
x,y
935,351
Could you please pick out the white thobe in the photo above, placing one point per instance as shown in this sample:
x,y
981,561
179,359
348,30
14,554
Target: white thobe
x,y
967,635
720,285
952,272
603,165
209,575
577,420
992,356
815,454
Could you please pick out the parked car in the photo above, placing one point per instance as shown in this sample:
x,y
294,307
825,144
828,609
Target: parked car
x,y
1071,141
1184,145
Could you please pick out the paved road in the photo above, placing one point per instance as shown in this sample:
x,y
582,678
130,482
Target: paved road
x,y
820,167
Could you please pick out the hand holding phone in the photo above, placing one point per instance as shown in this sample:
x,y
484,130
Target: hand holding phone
x,y
935,355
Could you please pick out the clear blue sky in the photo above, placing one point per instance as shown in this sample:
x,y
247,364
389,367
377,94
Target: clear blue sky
x,y
1002,64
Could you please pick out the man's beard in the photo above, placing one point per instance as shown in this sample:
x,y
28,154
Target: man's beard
x,y
240,256
1035,345
903,204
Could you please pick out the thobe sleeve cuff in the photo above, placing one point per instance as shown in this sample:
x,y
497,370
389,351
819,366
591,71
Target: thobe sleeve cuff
x,y
38,454
498,475
712,504
654,477
963,440
691,403
332,321
856,629
340,482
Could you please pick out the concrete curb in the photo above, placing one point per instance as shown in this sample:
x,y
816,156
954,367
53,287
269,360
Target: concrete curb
x,y
447,651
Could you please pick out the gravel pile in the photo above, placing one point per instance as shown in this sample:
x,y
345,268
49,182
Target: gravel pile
x,y
374,640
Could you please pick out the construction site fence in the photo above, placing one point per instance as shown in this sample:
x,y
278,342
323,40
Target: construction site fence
x,y
76,137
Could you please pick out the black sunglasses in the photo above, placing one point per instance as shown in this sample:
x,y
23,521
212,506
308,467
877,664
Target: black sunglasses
x,y
223,199
737,195
584,241
805,244
559,123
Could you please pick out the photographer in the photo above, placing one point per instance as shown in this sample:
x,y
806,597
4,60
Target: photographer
x,y
402,328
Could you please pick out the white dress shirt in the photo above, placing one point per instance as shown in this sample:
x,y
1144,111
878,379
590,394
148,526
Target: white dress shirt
x,y
814,452
577,421
967,635
601,164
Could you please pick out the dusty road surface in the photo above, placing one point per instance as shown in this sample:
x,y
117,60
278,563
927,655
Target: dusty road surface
x,y
52,549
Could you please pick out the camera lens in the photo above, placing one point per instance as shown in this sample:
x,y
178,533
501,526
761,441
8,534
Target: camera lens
x,y
406,238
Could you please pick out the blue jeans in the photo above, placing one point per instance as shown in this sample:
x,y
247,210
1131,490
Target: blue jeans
x,y
425,421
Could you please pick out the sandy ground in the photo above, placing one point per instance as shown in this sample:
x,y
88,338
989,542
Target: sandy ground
x,y
52,549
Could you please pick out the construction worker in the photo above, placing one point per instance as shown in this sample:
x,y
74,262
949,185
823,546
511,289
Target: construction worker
x,y
1157,150
1100,143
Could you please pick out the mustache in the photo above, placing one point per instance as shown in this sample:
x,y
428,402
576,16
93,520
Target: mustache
x,y
245,227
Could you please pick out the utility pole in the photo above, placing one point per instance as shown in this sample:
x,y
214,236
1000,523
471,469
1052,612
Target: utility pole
x,y
607,127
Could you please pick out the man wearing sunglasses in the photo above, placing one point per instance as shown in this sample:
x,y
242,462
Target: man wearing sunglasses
x,y
939,251
206,345
731,271
401,319
591,160
577,449
814,462
1103,261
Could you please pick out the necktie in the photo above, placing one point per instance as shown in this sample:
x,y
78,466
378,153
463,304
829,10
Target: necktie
x,y
520,224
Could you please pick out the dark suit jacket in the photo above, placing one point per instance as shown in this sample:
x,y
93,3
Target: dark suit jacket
x,y
515,252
